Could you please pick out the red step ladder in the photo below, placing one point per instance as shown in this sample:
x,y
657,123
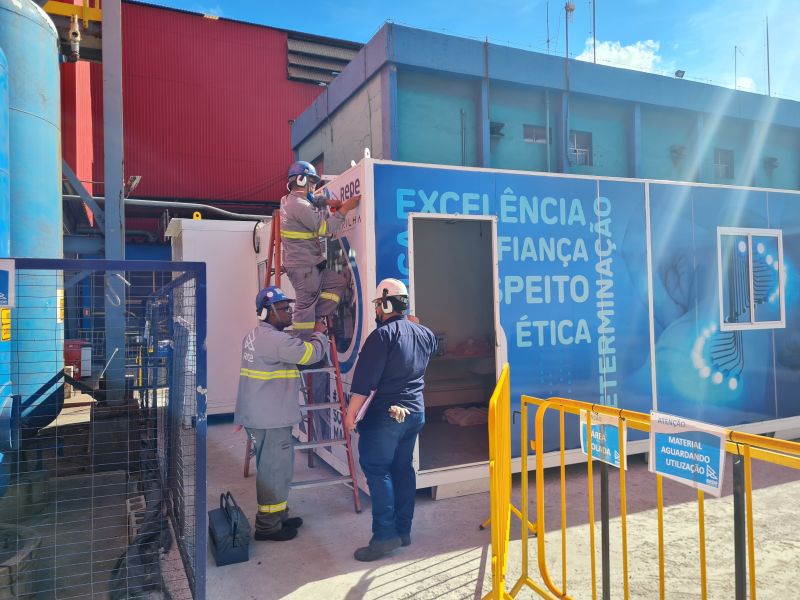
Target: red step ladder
x,y
274,267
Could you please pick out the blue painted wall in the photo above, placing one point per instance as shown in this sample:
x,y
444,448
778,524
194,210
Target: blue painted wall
x,y
734,135
429,118
673,144
783,144
642,125
516,106
667,144
609,125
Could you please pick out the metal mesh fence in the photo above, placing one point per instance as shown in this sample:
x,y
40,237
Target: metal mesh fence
x,y
102,431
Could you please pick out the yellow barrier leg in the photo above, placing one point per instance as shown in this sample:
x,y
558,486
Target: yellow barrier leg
x,y
590,488
623,508
748,496
701,511
518,514
660,502
563,474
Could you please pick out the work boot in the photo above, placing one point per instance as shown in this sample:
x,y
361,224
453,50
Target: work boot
x,y
405,539
282,535
293,522
377,549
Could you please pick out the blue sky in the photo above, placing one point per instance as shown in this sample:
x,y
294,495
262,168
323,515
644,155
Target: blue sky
x,y
661,36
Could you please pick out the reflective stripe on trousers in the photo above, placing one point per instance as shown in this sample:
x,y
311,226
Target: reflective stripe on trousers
x,y
272,508
275,464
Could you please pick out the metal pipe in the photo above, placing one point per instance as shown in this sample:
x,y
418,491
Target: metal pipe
x,y
739,531
185,205
128,232
547,127
605,535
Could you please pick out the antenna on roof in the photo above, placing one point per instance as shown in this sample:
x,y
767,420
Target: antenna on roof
x,y
594,33
769,81
547,8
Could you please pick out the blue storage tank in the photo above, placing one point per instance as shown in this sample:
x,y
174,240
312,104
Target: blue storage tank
x,y
5,190
6,391
30,42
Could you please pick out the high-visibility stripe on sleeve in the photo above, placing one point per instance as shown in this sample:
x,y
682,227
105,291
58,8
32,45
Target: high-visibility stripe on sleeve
x,y
323,228
272,508
303,324
298,235
307,355
268,375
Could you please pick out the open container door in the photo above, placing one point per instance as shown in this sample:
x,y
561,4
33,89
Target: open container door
x,y
453,286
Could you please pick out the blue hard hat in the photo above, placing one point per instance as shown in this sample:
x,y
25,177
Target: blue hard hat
x,y
303,168
269,296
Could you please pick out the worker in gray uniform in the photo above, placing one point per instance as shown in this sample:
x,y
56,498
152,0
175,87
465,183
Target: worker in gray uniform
x,y
305,219
268,405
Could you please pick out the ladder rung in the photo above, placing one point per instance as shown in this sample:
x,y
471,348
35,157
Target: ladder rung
x,y
320,406
320,443
299,485
318,370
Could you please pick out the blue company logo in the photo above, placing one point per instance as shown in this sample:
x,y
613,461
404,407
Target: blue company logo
x,y
346,361
693,456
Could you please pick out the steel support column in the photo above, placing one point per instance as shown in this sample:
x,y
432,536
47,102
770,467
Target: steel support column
x,y
114,207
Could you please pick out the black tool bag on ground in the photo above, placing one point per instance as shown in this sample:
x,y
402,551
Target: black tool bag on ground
x,y
228,532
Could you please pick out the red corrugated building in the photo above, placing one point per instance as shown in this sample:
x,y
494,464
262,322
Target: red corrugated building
x,y
207,105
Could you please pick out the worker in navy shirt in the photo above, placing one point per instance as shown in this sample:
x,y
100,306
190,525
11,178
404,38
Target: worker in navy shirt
x,y
391,364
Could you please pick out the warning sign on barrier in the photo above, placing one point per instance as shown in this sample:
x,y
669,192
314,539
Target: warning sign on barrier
x,y
7,283
609,440
690,452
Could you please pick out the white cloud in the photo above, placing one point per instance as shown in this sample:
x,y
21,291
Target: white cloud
x,y
640,56
745,83
215,10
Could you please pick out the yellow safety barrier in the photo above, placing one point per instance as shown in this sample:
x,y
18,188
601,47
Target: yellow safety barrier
x,y
745,447
500,478
500,482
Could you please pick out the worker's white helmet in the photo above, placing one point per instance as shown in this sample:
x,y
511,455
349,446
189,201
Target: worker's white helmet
x,y
390,288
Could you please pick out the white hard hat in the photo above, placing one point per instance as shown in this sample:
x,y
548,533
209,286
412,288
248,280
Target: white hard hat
x,y
390,287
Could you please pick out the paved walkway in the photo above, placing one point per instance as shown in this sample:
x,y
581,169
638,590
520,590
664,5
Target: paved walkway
x,y
449,557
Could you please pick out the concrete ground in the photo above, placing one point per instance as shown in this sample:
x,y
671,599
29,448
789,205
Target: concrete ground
x,y
450,557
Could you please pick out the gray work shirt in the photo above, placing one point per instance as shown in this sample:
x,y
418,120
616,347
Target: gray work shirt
x,y
301,227
269,382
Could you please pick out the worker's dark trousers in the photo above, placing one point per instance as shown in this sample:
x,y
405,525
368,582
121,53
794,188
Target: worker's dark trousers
x,y
317,294
275,467
386,451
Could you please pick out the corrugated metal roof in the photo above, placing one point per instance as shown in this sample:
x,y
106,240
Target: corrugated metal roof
x,y
310,75
317,49
316,62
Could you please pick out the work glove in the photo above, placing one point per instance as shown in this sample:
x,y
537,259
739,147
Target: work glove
x,y
398,413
